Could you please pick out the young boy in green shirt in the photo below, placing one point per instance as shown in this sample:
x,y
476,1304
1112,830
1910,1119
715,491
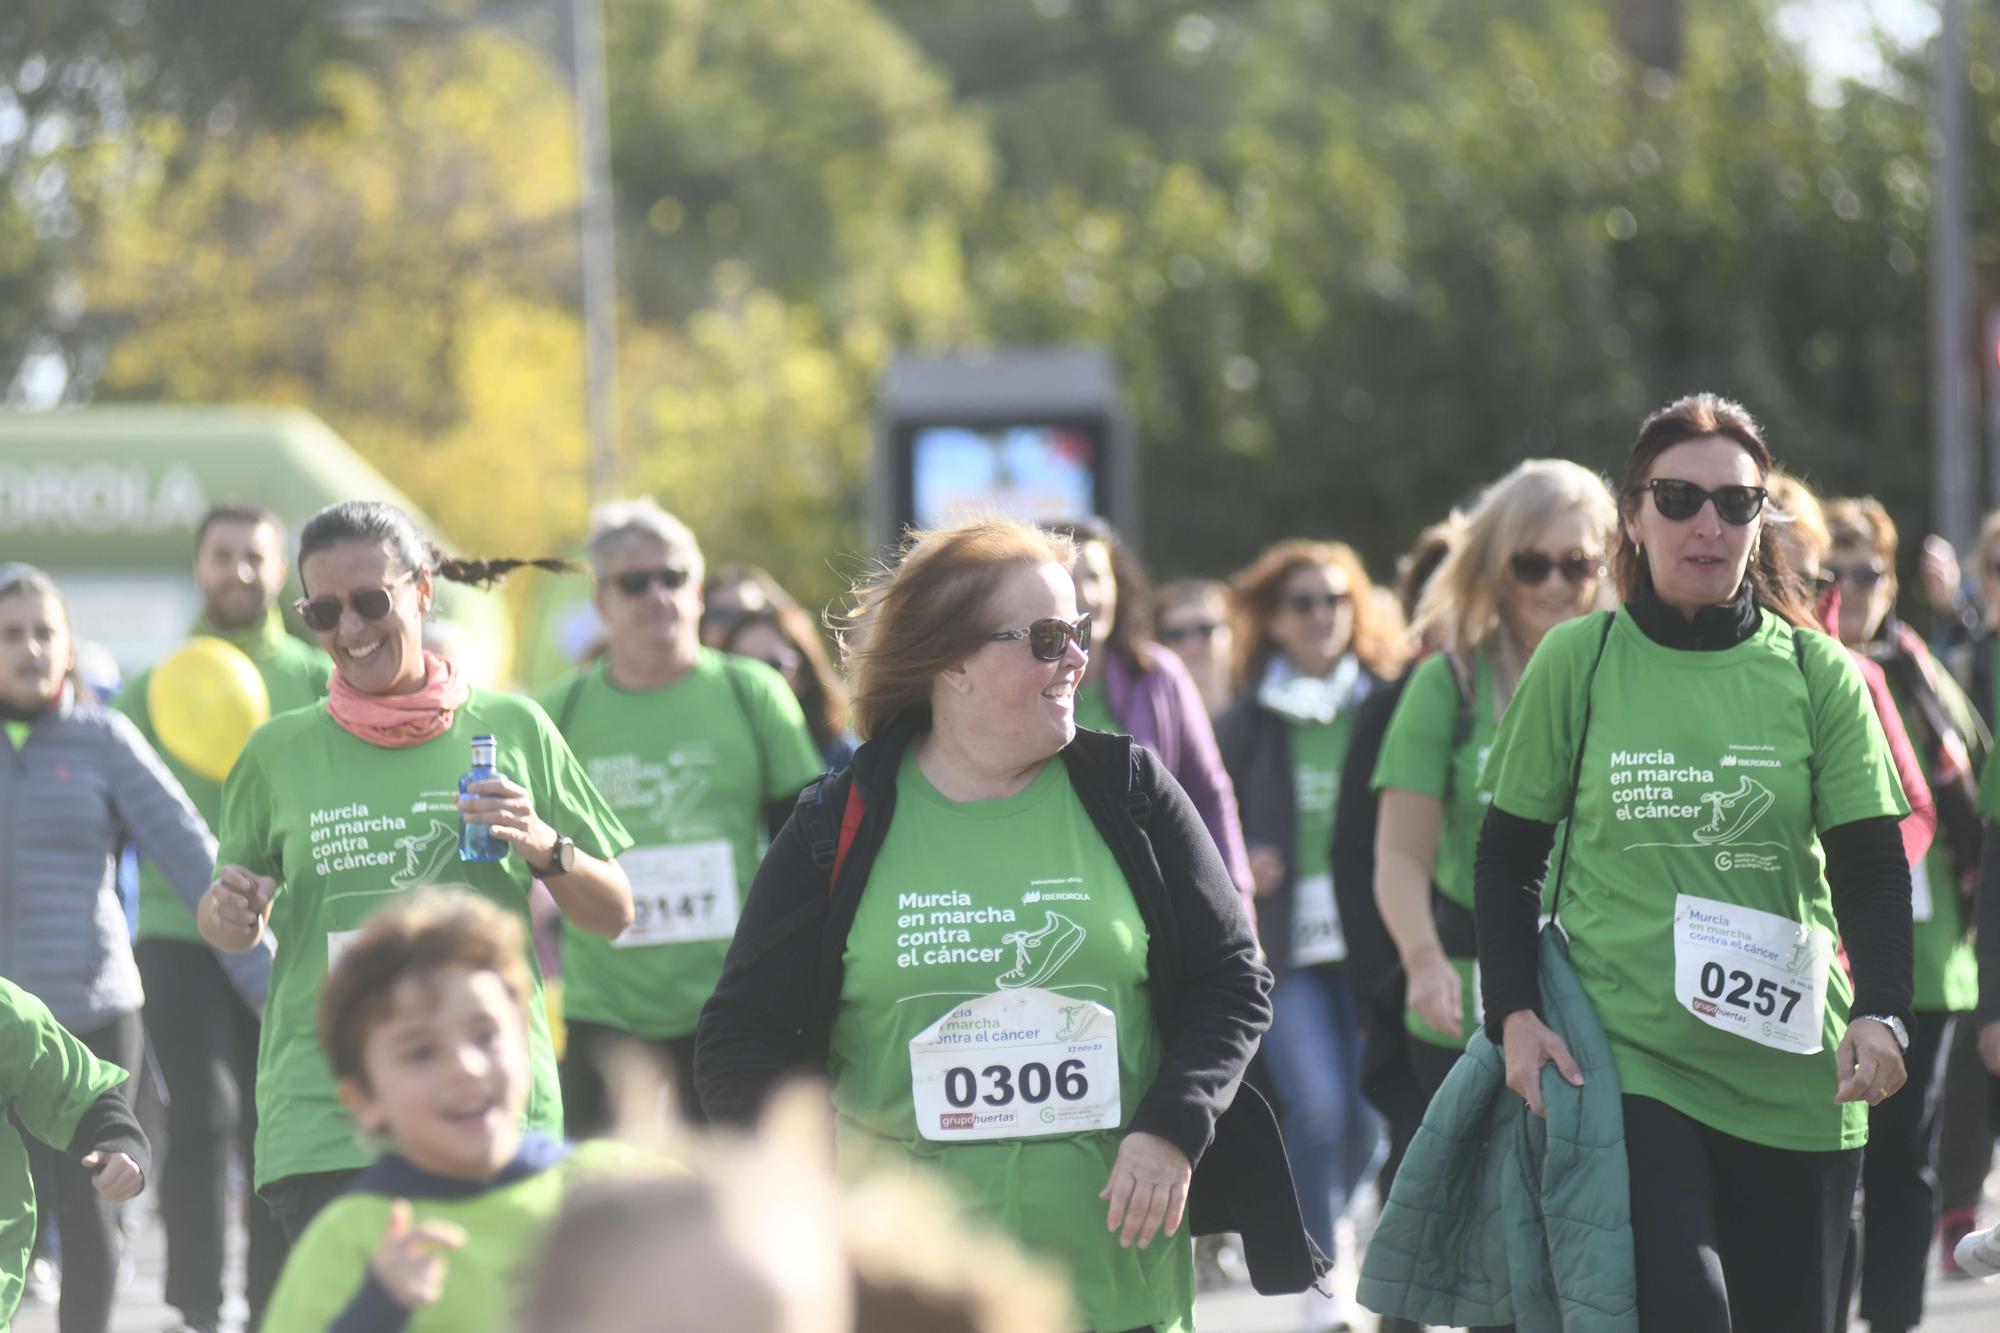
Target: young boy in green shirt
x,y
67,1098
424,1021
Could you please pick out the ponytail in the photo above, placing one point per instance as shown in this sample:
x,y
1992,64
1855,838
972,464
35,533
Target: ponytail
x,y
376,522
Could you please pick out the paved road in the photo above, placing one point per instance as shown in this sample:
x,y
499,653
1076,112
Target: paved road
x,y
1955,1307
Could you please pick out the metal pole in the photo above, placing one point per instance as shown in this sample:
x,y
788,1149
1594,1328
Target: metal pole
x,y
600,275
1955,488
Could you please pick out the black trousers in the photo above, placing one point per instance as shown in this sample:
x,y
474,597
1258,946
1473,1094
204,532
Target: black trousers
x,y
88,1221
1971,1117
205,1039
295,1201
586,1099
1899,1184
1730,1235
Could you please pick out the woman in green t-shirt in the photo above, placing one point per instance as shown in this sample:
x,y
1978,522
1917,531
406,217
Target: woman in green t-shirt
x,y
1531,557
1313,641
1704,748
333,809
1019,959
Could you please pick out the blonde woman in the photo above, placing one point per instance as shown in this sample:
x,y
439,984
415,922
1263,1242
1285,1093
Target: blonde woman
x,y
1531,557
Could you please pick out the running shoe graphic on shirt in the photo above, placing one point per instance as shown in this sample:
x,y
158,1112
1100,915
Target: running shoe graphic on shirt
x,y
1732,817
1077,1019
1038,954
1731,814
425,855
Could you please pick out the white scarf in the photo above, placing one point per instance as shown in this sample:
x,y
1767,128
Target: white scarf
x,y
1291,694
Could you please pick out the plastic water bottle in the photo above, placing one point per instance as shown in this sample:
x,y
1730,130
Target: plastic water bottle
x,y
478,842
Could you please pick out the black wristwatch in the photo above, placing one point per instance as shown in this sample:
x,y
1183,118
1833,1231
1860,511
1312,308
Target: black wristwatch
x,y
561,862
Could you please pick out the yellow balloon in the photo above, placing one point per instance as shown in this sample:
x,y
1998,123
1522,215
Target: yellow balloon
x,y
205,700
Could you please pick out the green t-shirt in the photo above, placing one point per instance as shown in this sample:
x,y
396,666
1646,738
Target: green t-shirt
x,y
1422,753
1093,709
48,1079
1947,969
1319,749
295,675
17,732
688,769
977,913
485,1280
1695,896
346,826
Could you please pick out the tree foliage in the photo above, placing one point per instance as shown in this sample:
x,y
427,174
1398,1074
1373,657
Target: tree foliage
x,y
1353,260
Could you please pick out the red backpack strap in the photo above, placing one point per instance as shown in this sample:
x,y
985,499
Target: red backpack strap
x,y
850,824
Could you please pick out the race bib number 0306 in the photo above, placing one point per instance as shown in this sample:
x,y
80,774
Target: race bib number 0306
x,y
680,894
1016,1064
1759,976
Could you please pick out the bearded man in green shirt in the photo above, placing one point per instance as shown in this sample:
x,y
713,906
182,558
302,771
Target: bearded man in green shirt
x,y
203,1032
701,754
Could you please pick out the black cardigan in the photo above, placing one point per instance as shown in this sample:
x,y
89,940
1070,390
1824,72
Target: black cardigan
x,y
1256,746
772,1012
1865,865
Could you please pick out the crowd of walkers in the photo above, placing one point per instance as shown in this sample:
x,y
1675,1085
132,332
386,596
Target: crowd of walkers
x,y
1601,895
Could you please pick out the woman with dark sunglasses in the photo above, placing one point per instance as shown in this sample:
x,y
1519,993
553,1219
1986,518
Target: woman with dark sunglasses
x,y
1900,1185
1011,944
1731,805
785,639
334,808
1531,557
1192,620
1312,642
1134,688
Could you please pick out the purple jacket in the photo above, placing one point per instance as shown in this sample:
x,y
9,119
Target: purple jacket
x,y
1162,710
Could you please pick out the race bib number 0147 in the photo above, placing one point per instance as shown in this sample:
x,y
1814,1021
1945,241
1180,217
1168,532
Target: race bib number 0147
x,y
680,894
1754,974
1016,1064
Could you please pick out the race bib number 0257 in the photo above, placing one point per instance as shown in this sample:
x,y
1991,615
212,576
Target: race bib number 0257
x,y
1757,975
1016,1064
680,894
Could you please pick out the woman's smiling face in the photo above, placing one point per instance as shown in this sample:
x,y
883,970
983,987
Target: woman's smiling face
x,y
383,656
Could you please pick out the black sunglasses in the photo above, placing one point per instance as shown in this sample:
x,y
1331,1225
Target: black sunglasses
x,y
1194,629
1531,568
322,613
634,582
1305,603
1677,500
1822,583
1049,639
1862,577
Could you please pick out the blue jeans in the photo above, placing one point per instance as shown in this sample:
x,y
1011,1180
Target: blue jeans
x,y
1331,1134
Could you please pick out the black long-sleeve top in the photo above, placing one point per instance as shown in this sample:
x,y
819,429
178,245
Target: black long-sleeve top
x,y
1865,865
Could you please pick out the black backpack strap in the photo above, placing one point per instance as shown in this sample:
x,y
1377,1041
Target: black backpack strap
x,y
1576,768
818,814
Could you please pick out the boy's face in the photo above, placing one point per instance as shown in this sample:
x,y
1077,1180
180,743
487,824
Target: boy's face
x,y
447,1074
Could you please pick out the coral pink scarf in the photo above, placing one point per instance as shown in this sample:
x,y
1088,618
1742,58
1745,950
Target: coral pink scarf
x,y
399,721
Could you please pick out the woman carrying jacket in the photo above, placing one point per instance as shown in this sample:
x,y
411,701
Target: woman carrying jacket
x,y
1021,962
1731,807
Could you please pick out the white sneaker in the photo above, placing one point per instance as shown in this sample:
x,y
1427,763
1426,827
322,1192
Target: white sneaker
x,y
1978,1254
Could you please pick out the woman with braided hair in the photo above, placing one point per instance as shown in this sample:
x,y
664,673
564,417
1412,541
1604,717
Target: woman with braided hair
x,y
335,809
